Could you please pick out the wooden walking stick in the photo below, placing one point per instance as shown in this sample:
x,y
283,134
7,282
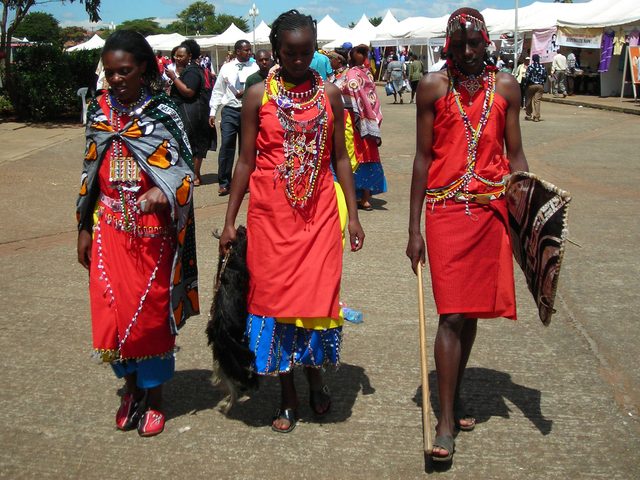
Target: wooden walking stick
x,y
424,368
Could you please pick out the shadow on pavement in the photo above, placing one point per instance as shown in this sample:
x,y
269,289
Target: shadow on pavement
x,y
485,391
345,384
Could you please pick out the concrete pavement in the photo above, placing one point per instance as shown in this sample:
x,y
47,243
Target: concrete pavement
x,y
557,402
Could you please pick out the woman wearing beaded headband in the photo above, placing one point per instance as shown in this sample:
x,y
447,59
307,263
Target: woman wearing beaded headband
x,y
467,117
292,123
136,233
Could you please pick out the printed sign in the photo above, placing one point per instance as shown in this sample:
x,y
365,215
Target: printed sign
x,y
634,59
580,38
545,44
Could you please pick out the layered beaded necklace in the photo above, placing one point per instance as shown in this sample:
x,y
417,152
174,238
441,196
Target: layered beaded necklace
x,y
460,187
304,140
124,172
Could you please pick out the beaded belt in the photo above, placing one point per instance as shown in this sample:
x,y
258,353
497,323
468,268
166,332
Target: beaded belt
x,y
113,203
481,198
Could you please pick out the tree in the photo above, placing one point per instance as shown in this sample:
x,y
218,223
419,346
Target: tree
x,y
375,21
73,34
19,10
145,26
200,18
221,22
39,27
194,16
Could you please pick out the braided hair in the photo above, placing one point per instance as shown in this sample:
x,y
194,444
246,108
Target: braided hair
x,y
287,22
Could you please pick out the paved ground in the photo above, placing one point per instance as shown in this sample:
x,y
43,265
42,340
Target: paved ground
x,y
557,402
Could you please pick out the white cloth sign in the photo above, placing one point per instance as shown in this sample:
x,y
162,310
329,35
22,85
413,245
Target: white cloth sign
x,y
580,38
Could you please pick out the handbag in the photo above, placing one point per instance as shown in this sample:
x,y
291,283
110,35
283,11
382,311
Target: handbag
x,y
389,89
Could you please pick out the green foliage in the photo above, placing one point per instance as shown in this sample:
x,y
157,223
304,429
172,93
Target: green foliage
x,y
45,81
194,16
200,17
145,26
73,34
222,21
5,105
375,21
39,27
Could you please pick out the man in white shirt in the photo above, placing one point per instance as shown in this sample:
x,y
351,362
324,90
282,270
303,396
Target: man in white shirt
x,y
227,97
559,72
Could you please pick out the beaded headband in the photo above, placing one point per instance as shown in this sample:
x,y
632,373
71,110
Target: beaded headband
x,y
465,21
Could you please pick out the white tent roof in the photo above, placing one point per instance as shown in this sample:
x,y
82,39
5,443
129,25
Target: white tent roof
x,y
602,13
227,38
93,43
362,33
329,30
388,23
262,33
165,41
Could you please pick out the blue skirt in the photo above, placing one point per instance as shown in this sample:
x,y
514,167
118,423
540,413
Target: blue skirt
x,y
370,176
278,347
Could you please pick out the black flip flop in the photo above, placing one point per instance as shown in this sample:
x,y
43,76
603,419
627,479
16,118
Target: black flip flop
x,y
288,414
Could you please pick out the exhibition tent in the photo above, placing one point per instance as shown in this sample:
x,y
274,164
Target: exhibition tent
x,y
226,39
165,41
93,43
329,30
262,32
604,13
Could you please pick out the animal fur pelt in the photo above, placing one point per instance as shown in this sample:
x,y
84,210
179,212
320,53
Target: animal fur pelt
x,y
227,319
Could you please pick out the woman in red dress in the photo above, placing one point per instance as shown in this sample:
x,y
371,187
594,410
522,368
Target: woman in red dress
x,y
467,117
136,234
291,124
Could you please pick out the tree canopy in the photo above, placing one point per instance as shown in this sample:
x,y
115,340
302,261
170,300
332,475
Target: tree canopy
x,y
145,26
39,27
201,18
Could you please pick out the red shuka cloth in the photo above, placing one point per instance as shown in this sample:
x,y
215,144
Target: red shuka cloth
x,y
469,256
128,263
294,265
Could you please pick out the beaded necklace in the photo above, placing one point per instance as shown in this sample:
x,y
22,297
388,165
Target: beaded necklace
x,y
124,171
460,187
304,140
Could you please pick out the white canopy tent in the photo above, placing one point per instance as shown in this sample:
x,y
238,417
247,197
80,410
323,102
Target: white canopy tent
x,y
362,33
226,39
93,43
165,41
262,32
329,30
389,22
604,13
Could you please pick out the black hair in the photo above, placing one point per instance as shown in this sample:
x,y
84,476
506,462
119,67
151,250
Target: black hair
x,y
343,52
134,43
394,57
192,47
287,22
238,45
261,51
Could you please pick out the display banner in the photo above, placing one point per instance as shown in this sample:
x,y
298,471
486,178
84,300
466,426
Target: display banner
x,y
545,44
580,38
634,59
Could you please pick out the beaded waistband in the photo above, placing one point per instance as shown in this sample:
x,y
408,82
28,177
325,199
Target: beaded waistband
x,y
118,223
114,204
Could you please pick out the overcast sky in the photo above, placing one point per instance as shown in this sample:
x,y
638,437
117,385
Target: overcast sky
x,y
341,11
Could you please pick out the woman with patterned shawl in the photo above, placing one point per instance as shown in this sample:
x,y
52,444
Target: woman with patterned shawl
x,y
291,125
136,234
467,230
365,117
